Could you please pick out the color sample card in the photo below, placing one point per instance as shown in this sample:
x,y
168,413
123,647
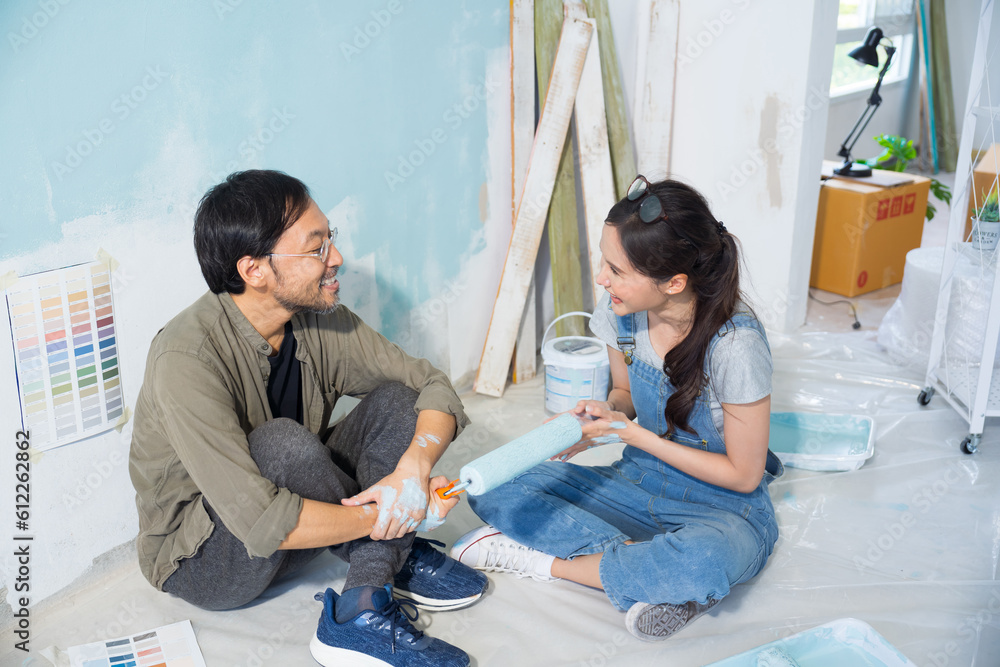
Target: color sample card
x,y
66,353
169,646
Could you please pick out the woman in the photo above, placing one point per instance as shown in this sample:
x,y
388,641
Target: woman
x,y
685,514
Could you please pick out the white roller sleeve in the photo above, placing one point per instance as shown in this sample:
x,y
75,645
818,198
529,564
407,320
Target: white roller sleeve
x,y
520,455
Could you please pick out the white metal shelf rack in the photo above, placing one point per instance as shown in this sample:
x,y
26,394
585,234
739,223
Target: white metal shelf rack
x,y
964,349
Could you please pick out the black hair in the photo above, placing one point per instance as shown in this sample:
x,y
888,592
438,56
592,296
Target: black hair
x,y
690,241
244,215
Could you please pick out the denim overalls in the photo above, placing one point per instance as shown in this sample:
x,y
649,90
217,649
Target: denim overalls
x,y
693,540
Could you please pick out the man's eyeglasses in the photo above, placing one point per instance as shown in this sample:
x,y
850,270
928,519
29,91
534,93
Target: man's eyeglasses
x,y
322,254
650,210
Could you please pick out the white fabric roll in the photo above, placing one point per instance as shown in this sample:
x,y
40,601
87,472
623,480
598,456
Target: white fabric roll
x,y
908,326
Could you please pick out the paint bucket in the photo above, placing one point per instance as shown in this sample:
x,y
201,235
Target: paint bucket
x,y
576,368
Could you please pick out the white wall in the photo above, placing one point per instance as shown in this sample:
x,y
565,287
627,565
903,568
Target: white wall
x,y
750,115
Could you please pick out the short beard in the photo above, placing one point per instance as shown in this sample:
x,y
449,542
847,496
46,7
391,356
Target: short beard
x,y
298,307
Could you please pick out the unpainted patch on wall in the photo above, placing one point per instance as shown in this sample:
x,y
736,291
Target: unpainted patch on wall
x,y
484,202
768,144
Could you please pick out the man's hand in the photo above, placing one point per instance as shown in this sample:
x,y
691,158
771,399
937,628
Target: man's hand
x,y
401,498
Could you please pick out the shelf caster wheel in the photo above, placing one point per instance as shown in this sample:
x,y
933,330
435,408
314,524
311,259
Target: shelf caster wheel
x,y
926,394
970,445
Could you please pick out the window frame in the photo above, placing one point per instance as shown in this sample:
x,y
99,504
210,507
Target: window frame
x,y
900,28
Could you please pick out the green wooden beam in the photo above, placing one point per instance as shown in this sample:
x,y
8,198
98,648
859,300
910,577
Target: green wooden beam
x,y
564,239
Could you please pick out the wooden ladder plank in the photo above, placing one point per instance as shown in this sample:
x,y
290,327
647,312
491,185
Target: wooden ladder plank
x,y
656,74
564,236
522,133
543,165
596,177
619,140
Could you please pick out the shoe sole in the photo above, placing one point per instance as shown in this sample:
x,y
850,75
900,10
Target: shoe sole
x,y
331,656
431,604
654,623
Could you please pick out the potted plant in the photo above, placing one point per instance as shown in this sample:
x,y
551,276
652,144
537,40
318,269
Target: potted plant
x,y
986,223
897,154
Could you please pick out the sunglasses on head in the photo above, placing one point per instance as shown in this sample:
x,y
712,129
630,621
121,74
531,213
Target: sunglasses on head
x,y
650,209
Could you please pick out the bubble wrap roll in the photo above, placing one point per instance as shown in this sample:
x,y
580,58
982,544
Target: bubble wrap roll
x,y
520,455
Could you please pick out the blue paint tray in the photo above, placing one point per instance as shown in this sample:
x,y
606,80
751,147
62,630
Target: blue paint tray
x,y
846,641
817,441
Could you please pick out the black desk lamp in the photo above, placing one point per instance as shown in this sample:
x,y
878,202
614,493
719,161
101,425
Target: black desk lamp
x,y
866,54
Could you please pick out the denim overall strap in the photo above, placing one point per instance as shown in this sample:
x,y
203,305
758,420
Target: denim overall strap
x,y
626,339
645,381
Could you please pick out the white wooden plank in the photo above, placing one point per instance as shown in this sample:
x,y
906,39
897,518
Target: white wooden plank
x,y
574,9
597,180
642,10
530,220
655,90
522,133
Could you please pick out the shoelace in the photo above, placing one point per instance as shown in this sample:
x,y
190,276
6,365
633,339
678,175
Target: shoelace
x,y
505,557
395,613
430,558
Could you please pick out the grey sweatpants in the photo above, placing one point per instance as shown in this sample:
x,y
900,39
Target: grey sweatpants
x,y
363,448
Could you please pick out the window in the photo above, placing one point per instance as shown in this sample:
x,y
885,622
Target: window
x,y
896,19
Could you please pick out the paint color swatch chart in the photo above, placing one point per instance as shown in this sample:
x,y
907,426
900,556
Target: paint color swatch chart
x,y
170,646
66,353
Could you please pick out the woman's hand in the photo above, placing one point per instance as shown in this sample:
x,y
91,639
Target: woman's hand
x,y
601,425
575,411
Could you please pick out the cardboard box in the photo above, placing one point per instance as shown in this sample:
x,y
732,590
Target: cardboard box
x,y
984,177
864,230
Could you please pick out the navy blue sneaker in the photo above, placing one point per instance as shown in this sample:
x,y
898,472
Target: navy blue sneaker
x,y
434,581
378,638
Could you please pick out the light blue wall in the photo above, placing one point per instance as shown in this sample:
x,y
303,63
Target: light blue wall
x,y
130,87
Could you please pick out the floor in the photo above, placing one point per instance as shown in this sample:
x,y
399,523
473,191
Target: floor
x,y
909,543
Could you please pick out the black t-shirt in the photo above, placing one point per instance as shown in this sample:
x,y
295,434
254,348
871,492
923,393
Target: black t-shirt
x,y
284,386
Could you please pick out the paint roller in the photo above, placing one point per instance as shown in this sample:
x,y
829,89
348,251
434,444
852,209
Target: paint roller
x,y
517,456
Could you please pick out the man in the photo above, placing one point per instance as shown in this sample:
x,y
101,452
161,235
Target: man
x,y
239,480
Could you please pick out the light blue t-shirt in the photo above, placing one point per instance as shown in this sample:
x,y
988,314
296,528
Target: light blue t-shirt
x,y
739,370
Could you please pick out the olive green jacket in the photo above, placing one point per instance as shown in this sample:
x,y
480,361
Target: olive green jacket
x,y
205,390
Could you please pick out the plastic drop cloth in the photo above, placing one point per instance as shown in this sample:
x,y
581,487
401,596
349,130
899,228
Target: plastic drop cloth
x,y
909,543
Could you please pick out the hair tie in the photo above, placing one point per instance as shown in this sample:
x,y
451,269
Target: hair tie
x,y
721,227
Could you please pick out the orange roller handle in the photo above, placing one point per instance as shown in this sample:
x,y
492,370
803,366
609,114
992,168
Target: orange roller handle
x,y
443,491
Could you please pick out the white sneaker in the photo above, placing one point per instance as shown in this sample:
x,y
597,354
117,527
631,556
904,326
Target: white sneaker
x,y
486,548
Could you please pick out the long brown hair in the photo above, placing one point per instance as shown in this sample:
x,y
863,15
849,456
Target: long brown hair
x,y
690,241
